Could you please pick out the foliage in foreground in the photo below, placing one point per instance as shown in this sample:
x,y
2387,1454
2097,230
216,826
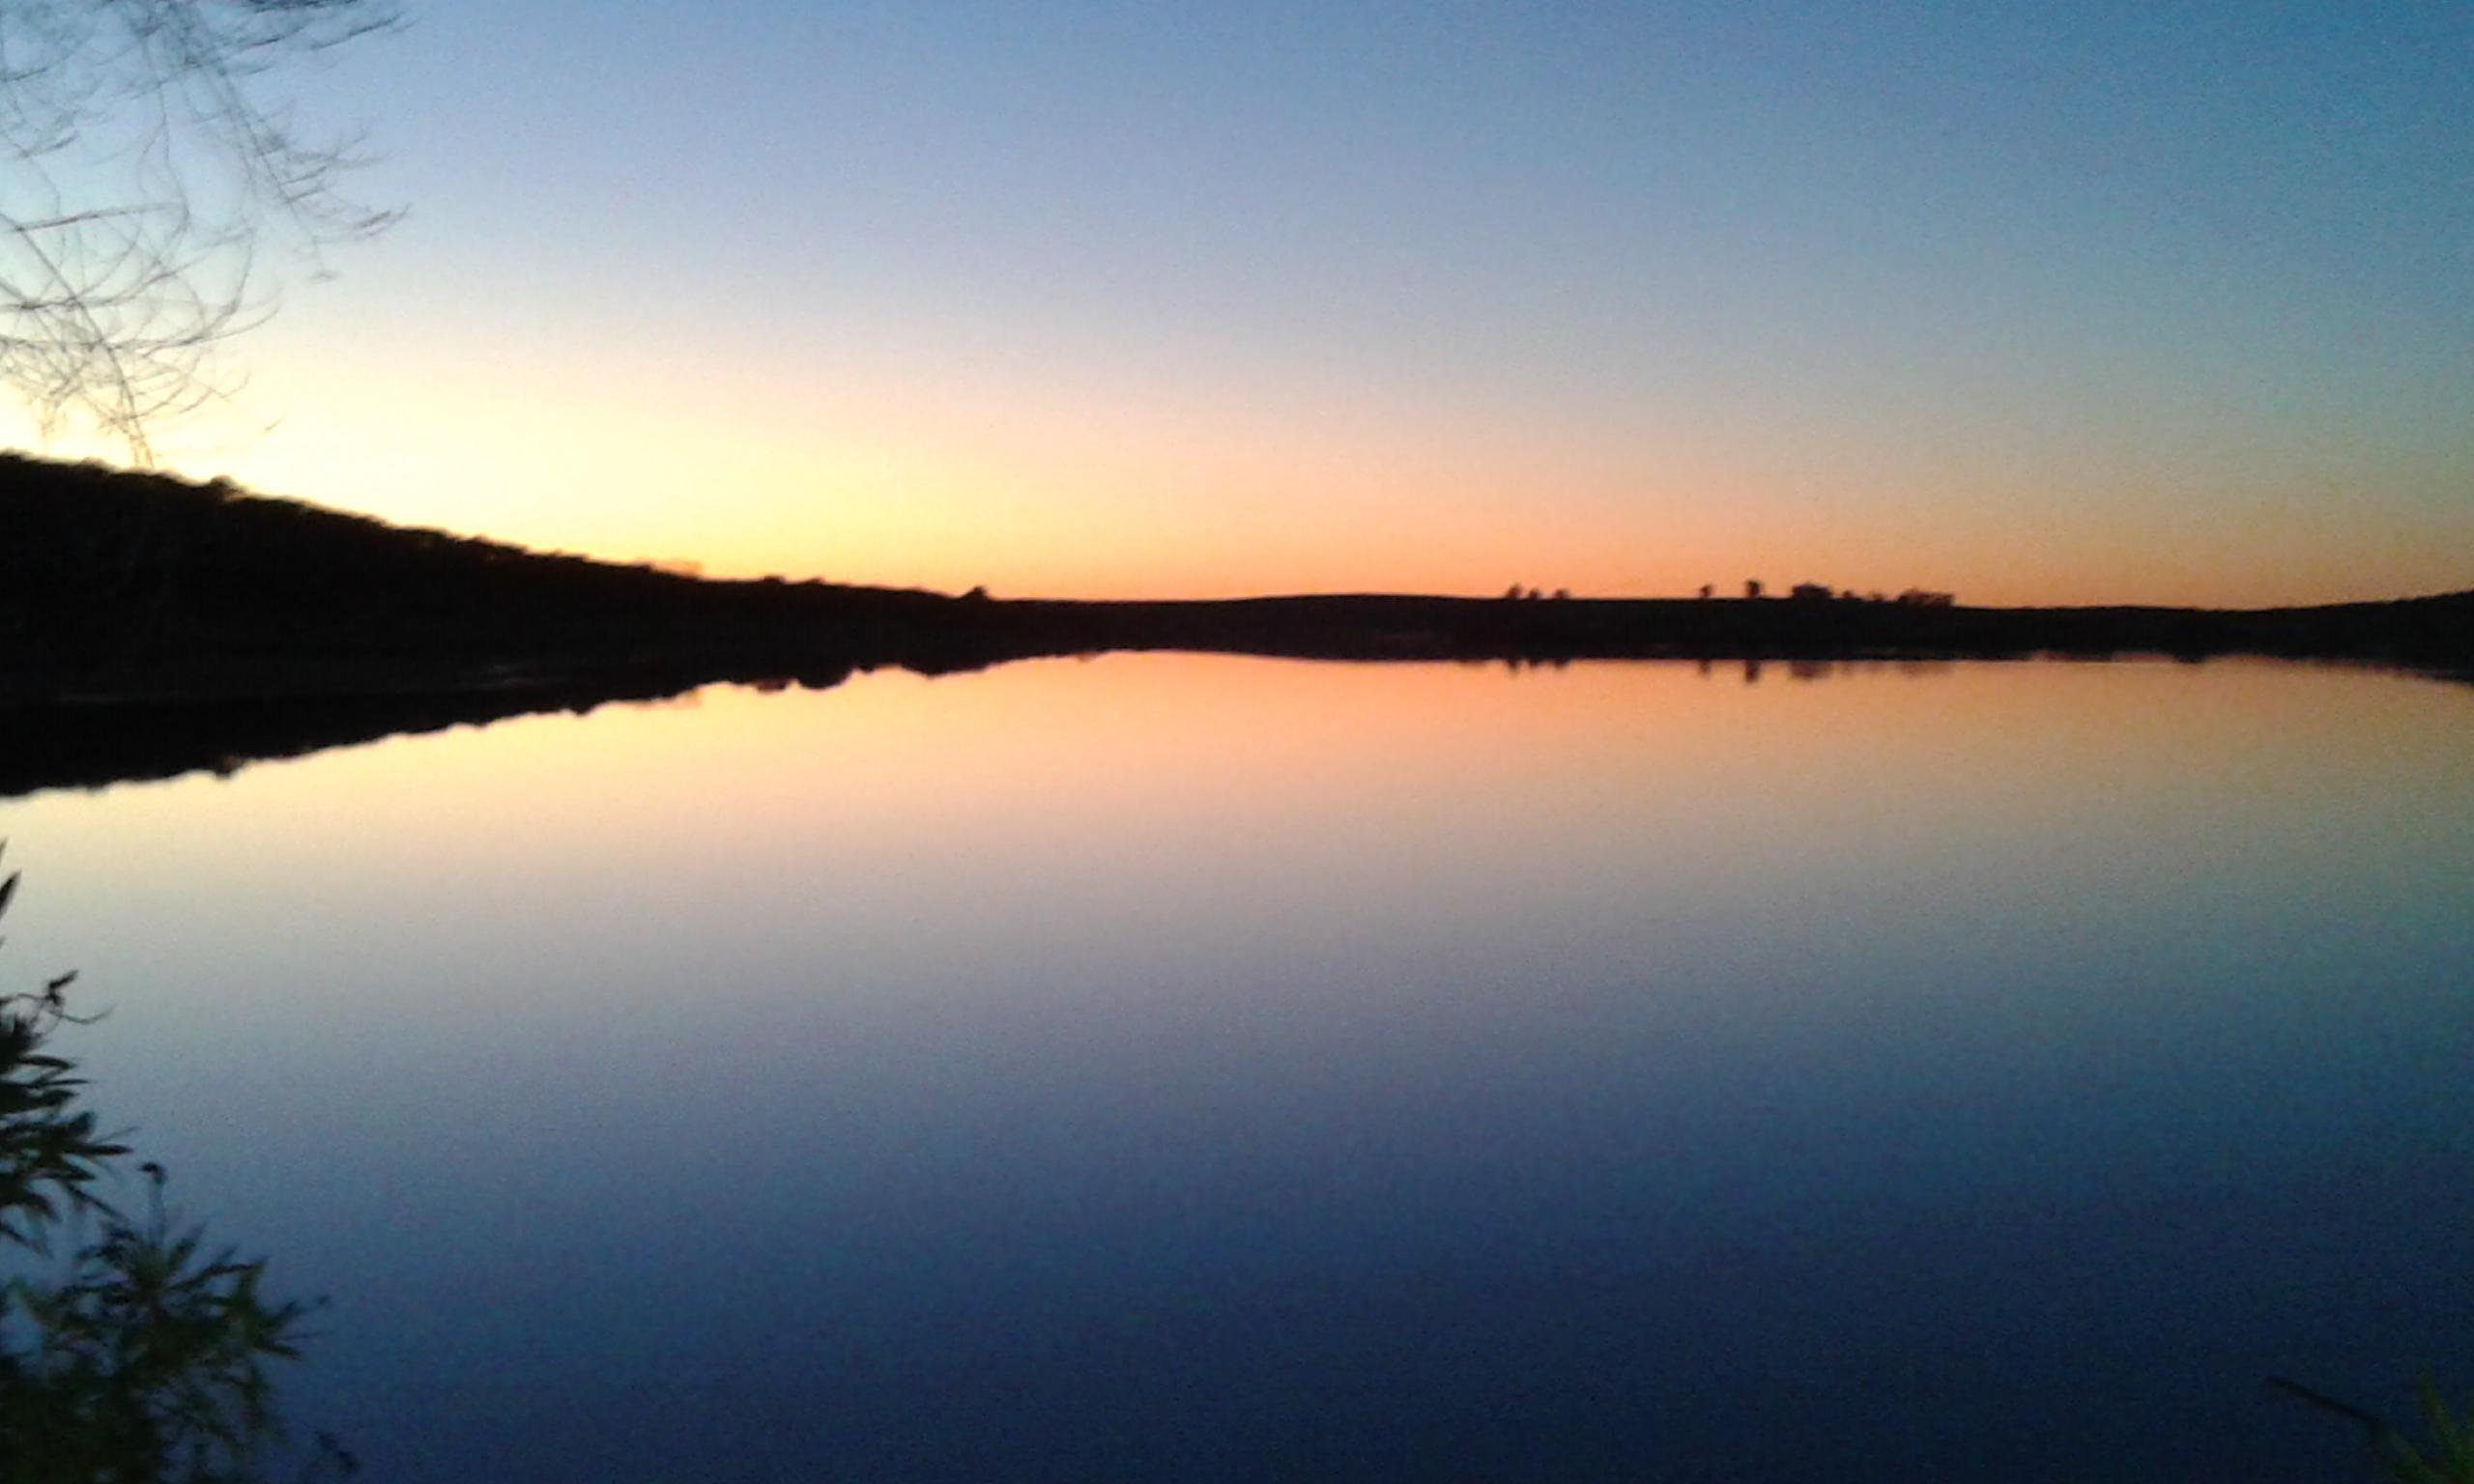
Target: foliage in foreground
x,y
130,1350
2448,1458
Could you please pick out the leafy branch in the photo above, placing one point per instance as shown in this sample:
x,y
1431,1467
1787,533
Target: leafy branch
x,y
144,1358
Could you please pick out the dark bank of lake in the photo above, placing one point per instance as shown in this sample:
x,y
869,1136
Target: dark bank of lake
x,y
1185,1068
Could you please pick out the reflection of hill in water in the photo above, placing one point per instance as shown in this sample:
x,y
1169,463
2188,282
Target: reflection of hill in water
x,y
94,746
91,746
151,627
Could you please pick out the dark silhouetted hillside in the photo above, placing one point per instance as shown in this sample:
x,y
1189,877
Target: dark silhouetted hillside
x,y
117,583
150,626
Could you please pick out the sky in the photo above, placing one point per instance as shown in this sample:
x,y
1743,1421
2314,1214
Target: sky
x,y
2039,303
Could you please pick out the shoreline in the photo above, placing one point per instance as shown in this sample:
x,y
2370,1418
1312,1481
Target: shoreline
x,y
152,723
150,626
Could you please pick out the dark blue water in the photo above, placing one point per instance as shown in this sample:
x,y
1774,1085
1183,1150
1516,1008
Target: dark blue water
x,y
1177,1068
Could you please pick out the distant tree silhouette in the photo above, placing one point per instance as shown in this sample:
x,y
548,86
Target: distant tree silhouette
x,y
1752,587
143,170
1707,590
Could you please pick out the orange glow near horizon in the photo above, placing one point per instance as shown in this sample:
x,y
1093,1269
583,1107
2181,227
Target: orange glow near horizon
x,y
1625,301
1206,747
1631,787
1089,489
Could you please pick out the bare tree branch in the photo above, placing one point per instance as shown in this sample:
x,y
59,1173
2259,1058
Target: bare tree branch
x,y
147,178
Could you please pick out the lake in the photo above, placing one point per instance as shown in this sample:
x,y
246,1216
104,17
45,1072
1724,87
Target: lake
x,y
1172,1068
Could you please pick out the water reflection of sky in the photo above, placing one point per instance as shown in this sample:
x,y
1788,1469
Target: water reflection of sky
x,y
1171,1067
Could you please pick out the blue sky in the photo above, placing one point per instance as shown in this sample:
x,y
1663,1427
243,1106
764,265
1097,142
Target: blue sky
x,y
2063,302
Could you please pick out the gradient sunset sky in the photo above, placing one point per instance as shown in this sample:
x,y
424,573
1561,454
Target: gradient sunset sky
x,y
2041,302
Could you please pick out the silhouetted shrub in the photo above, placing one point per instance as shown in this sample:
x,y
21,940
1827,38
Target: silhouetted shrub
x,y
2448,1458
145,1361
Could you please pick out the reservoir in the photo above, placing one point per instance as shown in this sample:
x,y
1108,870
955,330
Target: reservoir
x,y
1167,1067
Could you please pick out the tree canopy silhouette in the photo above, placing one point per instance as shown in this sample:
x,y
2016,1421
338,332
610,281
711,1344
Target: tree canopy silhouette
x,y
147,166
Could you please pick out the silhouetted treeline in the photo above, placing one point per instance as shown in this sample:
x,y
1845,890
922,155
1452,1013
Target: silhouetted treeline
x,y
2433,634
150,626
110,575
124,584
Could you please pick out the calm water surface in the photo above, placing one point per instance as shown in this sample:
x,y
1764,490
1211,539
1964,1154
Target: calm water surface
x,y
1165,1068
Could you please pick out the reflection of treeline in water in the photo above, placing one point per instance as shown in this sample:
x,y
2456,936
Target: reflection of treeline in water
x,y
123,588
91,746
